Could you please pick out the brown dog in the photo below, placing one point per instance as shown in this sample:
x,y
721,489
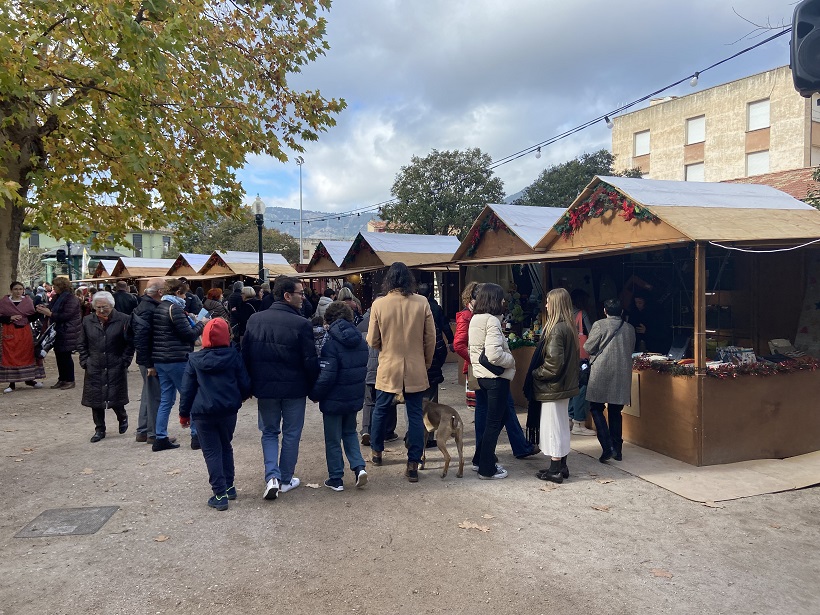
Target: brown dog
x,y
445,423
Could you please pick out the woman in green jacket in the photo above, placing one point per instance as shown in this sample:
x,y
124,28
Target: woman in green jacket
x,y
555,382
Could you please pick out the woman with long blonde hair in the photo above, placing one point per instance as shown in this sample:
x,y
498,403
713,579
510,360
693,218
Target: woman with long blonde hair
x,y
553,380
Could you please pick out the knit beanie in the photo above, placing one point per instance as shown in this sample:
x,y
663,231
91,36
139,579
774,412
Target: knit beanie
x,y
216,333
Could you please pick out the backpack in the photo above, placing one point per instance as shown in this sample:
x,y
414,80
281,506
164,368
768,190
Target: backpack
x,y
45,341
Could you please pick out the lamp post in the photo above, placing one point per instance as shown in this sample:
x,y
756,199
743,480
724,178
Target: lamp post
x,y
258,207
300,161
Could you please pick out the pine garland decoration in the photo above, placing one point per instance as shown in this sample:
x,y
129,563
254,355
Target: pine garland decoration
x,y
604,199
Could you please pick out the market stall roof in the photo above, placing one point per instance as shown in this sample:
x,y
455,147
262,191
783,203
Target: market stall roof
x,y
188,264
614,213
133,267
105,268
379,250
506,230
246,264
328,255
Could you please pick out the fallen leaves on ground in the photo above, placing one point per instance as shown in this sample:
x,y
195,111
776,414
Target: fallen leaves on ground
x,y
313,485
9,430
774,525
28,451
487,516
469,525
604,481
161,538
659,572
18,460
711,504
548,487
601,507
87,471
174,472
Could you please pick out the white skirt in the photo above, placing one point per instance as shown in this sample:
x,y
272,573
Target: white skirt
x,y
555,428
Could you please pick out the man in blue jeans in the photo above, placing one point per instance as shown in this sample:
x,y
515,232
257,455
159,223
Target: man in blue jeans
x,y
280,355
403,331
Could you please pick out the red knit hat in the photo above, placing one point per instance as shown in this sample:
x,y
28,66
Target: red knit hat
x,y
216,333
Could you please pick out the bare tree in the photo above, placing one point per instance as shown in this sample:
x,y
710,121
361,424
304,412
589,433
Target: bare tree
x,y
30,268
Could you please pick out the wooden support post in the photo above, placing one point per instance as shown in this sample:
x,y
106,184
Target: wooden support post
x,y
699,303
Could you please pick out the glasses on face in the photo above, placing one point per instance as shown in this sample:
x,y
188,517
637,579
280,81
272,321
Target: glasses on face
x,y
102,308
298,292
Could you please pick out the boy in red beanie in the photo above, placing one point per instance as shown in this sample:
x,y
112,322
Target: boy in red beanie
x,y
214,386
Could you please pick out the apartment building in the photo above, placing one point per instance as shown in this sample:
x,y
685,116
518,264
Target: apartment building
x,y
752,126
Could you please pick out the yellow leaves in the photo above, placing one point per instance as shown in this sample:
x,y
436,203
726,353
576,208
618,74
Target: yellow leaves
x,y
660,573
469,525
161,538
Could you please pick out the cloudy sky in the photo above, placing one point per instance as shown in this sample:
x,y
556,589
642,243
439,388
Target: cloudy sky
x,y
500,75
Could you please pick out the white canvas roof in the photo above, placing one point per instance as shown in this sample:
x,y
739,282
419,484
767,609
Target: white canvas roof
x,y
662,193
133,262
529,223
197,261
417,244
271,258
337,249
108,265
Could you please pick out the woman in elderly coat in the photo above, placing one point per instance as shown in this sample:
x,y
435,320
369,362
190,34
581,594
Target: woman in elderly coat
x,y
610,345
106,350
402,329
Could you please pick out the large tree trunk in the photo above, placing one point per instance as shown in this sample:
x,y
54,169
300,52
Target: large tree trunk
x,y
11,225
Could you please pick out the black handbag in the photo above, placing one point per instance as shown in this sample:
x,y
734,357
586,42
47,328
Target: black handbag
x,y
496,370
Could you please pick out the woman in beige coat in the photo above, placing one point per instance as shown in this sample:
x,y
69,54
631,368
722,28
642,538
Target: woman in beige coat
x,y
402,330
486,337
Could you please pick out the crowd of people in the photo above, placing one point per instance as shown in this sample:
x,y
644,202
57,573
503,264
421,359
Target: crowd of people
x,y
283,348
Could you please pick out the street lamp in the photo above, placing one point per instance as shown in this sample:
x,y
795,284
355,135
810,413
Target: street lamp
x,y
258,207
300,161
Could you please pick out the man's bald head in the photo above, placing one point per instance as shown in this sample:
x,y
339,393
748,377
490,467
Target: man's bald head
x,y
155,286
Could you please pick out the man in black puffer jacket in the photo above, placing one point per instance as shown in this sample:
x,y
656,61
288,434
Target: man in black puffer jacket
x,y
281,359
174,337
142,326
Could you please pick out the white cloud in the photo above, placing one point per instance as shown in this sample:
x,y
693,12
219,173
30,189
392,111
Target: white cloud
x,y
501,76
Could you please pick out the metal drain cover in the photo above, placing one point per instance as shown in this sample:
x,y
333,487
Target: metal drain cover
x,y
67,522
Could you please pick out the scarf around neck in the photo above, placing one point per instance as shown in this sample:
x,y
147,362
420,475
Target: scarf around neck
x,y
175,300
25,308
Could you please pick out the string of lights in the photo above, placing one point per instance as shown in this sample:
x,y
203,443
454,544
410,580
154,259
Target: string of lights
x,y
606,118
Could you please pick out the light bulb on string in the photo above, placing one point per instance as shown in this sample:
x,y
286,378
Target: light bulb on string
x,y
538,152
608,121
694,80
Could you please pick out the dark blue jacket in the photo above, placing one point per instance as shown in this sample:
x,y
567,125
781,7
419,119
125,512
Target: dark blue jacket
x,y
215,383
173,336
279,353
340,387
142,327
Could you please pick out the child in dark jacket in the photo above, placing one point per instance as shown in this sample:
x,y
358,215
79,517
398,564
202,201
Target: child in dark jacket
x,y
214,386
340,393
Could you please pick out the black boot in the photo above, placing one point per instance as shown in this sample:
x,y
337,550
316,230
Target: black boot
x,y
98,435
616,453
163,444
564,468
553,474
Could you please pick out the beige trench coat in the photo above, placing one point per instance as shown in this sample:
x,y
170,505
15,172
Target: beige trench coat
x,y
402,329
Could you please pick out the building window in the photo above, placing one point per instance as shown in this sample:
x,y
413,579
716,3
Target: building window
x,y
757,115
34,239
694,172
696,130
137,241
757,163
815,156
166,244
641,144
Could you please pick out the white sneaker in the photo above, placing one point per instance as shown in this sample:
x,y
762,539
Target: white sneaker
x,y
37,385
271,489
285,487
361,478
579,429
8,390
499,474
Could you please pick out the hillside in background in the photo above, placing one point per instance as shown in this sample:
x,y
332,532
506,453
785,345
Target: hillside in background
x,y
330,228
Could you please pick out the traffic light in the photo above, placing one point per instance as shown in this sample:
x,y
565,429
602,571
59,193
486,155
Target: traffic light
x,y
805,48
61,256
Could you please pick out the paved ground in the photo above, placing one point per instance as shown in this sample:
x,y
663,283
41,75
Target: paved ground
x,y
603,542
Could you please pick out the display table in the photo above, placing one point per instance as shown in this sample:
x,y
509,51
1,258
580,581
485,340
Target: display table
x,y
706,421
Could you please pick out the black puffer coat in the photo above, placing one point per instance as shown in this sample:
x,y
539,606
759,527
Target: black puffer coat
x,y
557,375
105,354
142,326
174,336
66,313
343,365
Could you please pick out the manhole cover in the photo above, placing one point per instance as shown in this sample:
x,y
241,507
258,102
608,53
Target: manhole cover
x,y
67,522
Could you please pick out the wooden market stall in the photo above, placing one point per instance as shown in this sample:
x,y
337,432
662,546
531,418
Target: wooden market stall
x,y
496,249
328,256
245,265
429,255
738,265
188,264
139,270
